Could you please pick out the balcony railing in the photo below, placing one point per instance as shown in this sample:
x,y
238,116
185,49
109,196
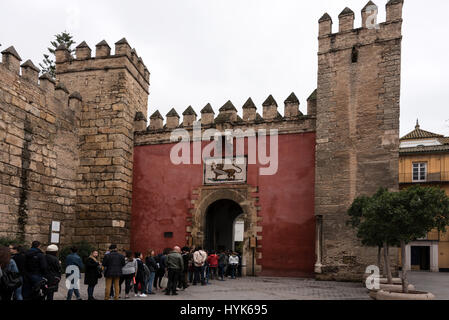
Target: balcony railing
x,y
433,177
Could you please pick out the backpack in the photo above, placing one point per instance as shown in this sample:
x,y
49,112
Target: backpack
x,y
10,280
32,261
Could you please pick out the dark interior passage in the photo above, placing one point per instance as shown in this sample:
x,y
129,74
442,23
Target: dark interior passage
x,y
421,258
220,219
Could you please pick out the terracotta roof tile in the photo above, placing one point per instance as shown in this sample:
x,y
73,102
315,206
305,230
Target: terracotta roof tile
x,y
418,133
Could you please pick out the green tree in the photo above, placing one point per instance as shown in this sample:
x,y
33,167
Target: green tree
x,y
398,218
370,216
418,210
48,64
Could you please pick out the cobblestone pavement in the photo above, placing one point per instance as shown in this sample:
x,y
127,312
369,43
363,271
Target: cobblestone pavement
x,y
263,288
249,288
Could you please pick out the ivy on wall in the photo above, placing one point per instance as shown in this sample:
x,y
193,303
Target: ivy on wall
x,y
24,191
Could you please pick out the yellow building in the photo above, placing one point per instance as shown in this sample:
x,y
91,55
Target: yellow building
x,y
424,160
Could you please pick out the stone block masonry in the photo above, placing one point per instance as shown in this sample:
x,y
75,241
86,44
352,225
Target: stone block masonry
x,y
38,153
114,89
357,131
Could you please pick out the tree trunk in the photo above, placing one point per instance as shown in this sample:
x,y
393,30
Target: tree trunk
x,y
379,259
404,270
387,264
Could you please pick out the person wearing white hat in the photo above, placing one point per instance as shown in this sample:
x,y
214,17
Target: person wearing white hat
x,y
54,271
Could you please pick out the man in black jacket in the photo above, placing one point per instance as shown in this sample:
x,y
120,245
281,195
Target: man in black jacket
x,y
186,257
113,263
35,269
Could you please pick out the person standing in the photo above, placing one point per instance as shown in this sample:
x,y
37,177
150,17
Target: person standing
x,y
18,255
163,265
74,265
159,274
191,271
146,278
151,263
54,271
35,269
7,265
199,260
185,271
140,277
233,262
113,264
175,266
213,265
129,271
93,273
240,266
222,262
5,256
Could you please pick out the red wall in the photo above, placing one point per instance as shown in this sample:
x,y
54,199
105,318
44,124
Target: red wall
x,y
162,193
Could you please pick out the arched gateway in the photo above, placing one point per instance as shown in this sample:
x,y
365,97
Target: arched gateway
x,y
213,217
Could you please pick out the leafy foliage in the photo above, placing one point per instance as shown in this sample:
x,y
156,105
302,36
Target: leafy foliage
x,y
48,65
393,217
9,241
418,211
371,217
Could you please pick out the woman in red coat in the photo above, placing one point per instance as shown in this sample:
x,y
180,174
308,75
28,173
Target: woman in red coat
x,y
213,265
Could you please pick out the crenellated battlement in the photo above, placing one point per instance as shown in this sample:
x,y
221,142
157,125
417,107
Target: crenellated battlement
x,y
53,94
371,31
124,58
228,114
292,121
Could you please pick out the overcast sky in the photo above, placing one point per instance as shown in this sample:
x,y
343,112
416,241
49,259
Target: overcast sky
x,y
201,52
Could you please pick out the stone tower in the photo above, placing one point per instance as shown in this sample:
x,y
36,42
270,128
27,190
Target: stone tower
x,y
357,129
113,93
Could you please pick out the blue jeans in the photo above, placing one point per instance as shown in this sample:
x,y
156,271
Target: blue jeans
x,y
18,292
150,282
90,291
70,293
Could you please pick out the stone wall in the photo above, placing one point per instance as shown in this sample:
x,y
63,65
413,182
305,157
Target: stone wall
x,y
38,153
357,131
114,88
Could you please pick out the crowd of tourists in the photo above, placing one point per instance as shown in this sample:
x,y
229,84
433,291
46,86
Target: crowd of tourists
x,y
35,275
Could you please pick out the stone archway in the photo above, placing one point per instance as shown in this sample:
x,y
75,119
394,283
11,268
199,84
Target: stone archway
x,y
220,223
244,196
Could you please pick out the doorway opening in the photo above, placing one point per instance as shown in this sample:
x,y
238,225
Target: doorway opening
x,y
221,218
420,259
